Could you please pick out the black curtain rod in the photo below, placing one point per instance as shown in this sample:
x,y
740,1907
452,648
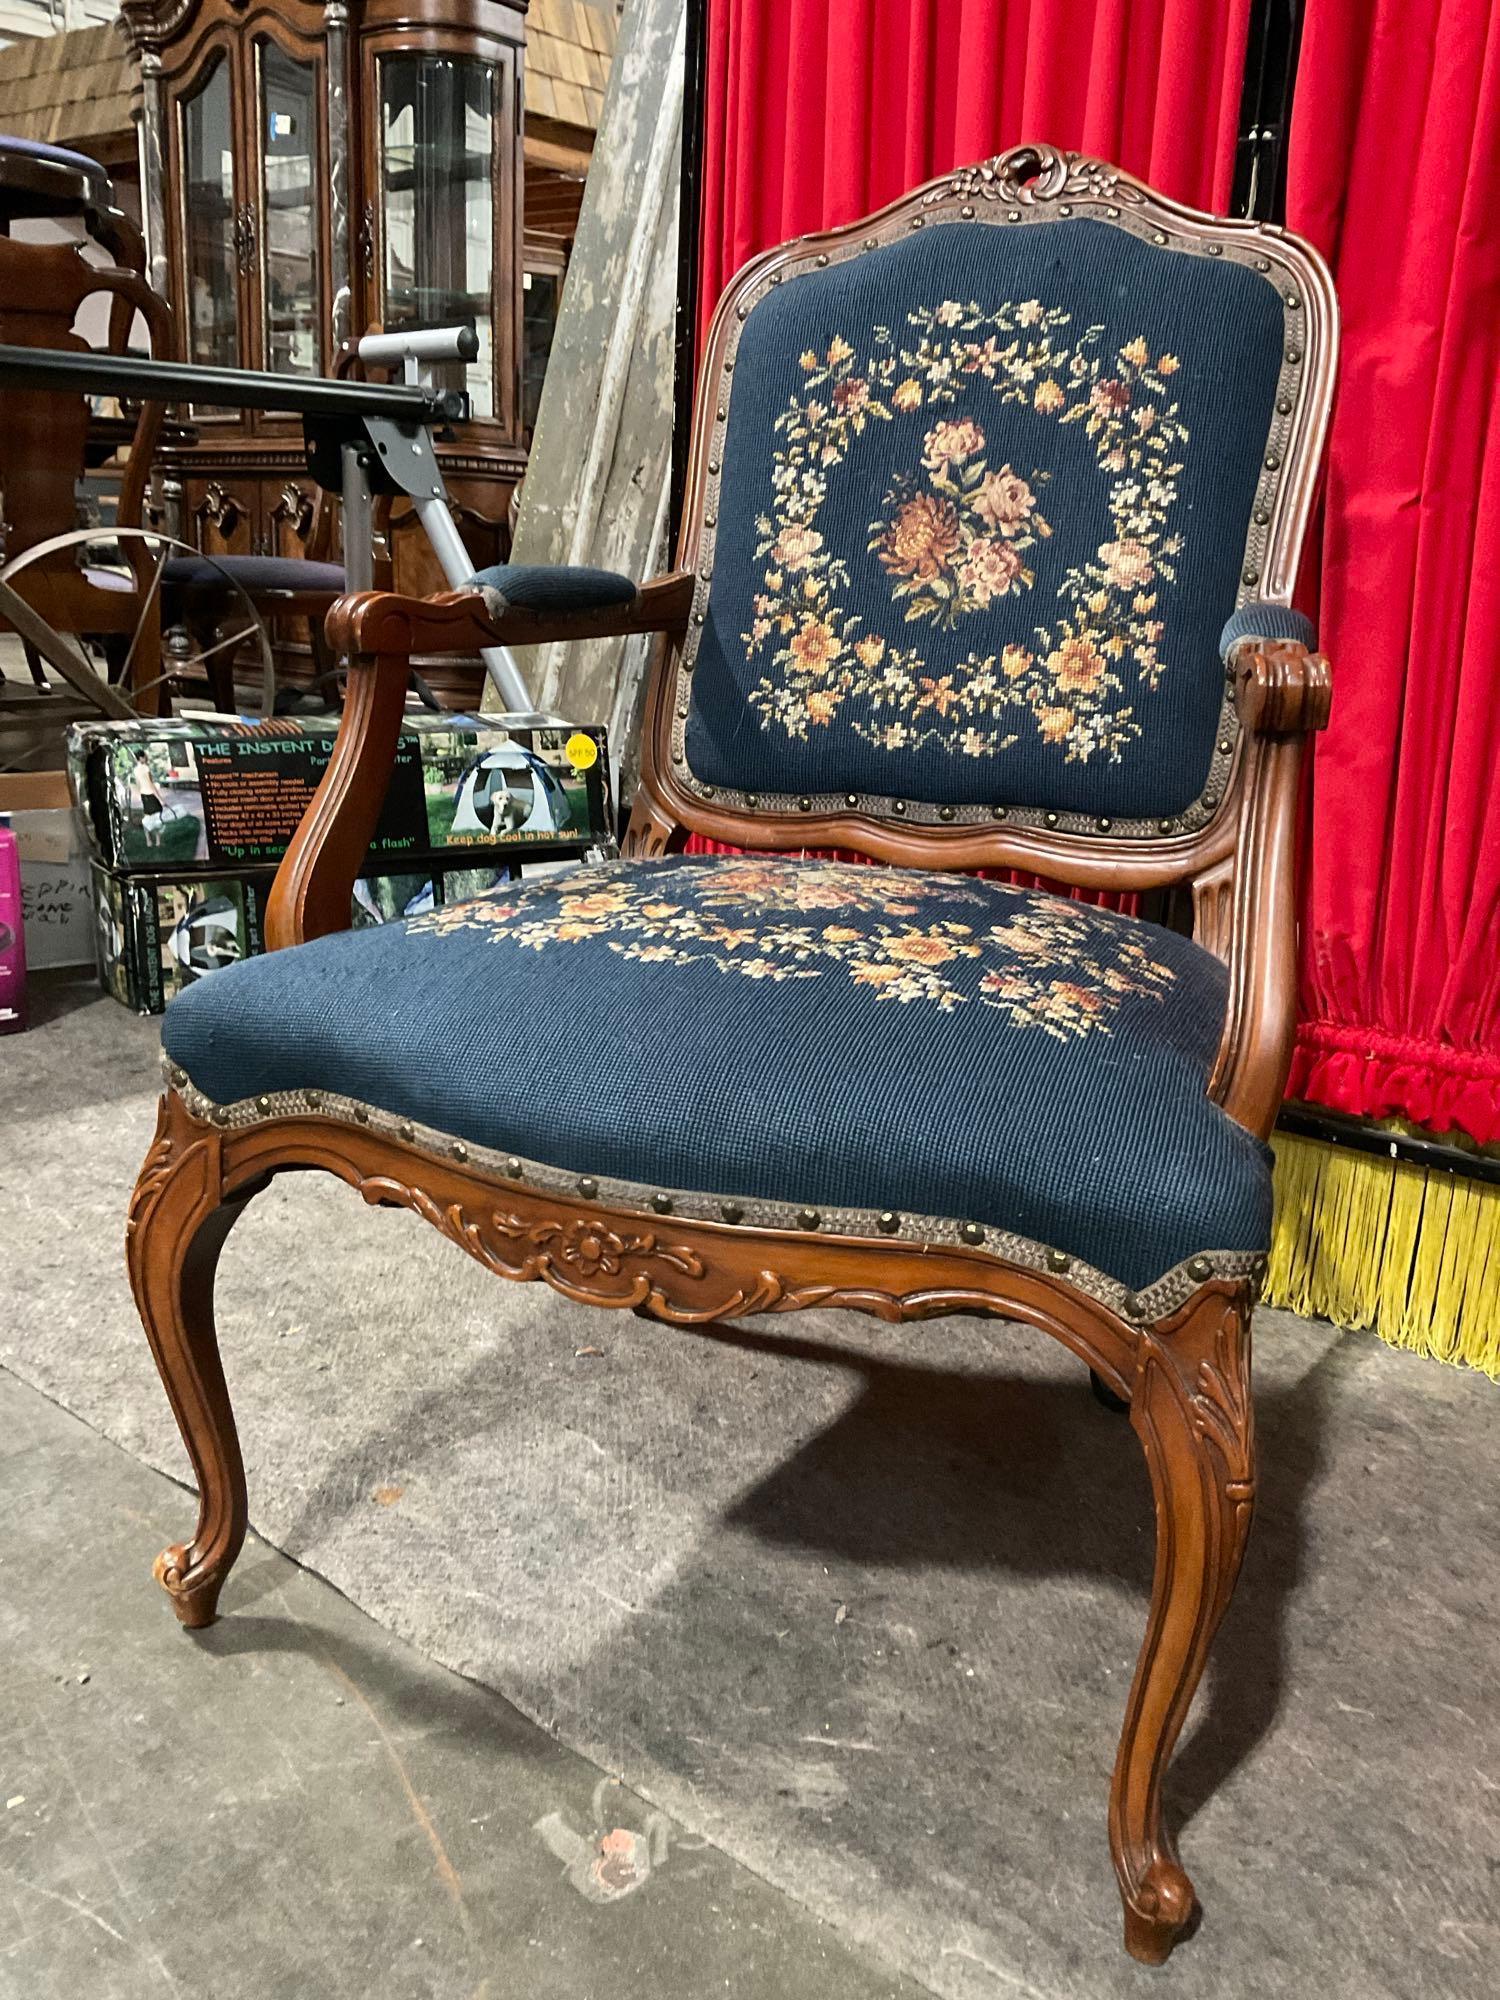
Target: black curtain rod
x,y
1335,1128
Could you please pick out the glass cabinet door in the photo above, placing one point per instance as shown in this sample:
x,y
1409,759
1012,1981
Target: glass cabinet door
x,y
211,228
437,144
287,105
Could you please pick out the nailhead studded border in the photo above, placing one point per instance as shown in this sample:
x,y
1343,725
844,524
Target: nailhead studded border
x,y
1164,1295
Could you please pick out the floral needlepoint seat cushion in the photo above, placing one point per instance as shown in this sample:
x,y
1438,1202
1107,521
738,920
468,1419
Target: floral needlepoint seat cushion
x,y
803,1043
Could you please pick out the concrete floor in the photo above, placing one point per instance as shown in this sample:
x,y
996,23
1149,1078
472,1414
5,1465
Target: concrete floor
x,y
296,1804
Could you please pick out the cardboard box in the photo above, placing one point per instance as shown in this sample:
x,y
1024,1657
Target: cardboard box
x,y
157,934
55,903
209,794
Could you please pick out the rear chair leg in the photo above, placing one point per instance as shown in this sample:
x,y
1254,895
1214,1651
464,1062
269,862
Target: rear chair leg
x,y
176,1228
1191,1408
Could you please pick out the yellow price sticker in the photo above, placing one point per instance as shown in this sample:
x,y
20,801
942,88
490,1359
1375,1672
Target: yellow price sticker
x,y
582,751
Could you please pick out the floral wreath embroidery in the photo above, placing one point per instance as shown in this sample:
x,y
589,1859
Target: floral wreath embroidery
x,y
1045,963
955,538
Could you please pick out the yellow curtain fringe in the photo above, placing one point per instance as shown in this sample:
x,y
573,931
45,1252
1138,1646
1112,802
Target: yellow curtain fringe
x,y
1371,1242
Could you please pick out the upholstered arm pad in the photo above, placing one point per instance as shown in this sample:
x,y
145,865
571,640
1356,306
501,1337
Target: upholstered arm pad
x,y
524,613
1262,621
536,587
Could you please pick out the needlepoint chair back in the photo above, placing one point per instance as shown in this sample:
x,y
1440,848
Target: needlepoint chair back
x,y
975,487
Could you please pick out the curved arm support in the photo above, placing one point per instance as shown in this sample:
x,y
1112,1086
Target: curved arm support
x,y
456,621
1283,693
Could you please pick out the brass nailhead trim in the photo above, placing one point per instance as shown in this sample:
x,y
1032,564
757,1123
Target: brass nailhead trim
x,y
1166,825
406,1131
1272,461
588,1188
1292,302
1294,355
1104,825
1285,406
514,1168
1262,515
804,805
898,806
731,1211
460,1150
999,812
662,1203
1252,576
1199,1268
362,1113
1214,249
220,1114
1052,819
888,1222
971,1232
313,1100
808,1218
1059,1260
1262,263
1157,237
945,812
178,1078
752,798
851,799
1131,1305
262,1105
1225,746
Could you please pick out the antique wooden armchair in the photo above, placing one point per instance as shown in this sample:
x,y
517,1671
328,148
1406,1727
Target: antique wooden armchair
x,y
974,487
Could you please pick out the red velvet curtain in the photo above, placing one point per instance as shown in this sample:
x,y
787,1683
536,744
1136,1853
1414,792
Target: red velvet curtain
x,y
1395,175
820,110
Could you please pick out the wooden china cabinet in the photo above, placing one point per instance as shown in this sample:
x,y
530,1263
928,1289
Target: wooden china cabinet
x,y
311,171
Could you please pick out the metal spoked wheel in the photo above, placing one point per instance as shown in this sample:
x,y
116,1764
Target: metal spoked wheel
x,y
133,561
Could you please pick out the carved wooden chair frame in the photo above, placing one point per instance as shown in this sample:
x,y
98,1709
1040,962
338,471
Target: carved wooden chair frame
x,y
1180,1357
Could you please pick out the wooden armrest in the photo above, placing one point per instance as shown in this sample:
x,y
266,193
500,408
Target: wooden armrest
x,y
1283,693
376,621
1282,688
378,632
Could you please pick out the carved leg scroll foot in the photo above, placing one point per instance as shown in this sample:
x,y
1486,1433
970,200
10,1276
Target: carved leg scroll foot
x,y
176,1229
1192,1411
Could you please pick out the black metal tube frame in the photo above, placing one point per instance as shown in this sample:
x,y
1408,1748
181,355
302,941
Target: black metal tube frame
x,y
132,376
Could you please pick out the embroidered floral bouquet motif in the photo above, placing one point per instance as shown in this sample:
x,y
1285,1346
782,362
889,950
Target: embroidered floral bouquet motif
x,y
955,534
1045,963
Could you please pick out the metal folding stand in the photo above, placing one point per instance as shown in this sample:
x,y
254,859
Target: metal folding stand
x,y
362,438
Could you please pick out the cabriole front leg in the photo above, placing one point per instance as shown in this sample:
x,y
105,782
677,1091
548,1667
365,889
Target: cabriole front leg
x,y
1191,1408
176,1228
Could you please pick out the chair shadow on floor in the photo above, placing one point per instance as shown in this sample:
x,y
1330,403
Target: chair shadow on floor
x,y
992,1471
976,1471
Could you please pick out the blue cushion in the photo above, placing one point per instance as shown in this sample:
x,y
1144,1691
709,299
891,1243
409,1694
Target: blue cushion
x,y
41,149
1262,620
986,503
538,587
782,1031
252,573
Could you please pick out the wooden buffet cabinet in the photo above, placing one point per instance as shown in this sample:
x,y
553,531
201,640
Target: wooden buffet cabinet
x,y
311,171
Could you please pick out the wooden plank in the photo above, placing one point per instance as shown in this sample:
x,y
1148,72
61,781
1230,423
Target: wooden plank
x,y
596,487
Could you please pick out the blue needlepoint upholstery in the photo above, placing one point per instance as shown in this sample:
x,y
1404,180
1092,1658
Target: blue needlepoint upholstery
x,y
538,587
984,511
786,1030
251,572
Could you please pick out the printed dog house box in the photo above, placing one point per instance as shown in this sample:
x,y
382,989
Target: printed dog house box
x,y
211,793
156,934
